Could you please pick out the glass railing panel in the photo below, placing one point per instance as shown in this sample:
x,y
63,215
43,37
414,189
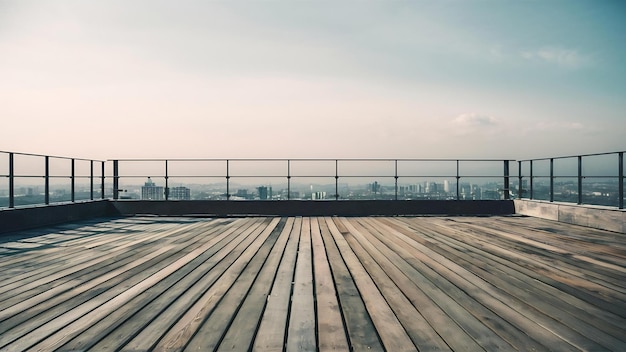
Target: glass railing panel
x,y
59,167
82,188
566,167
144,168
312,167
138,187
481,168
311,188
541,168
197,188
435,168
541,188
28,165
4,164
366,188
566,189
420,188
60,189
196,168
29,191
366,168
601,165
261,167
601,191
259,188
4,191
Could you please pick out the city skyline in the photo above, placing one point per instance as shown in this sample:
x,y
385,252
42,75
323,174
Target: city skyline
x,y
485,79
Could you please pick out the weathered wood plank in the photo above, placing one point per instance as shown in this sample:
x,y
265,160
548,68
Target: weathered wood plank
x,y
362,334
145,306
167,312
301,326
240,334
330,329
272,327
420,331
210,333
391,332
186,327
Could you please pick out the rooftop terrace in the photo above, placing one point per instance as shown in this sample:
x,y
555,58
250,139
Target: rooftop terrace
x,y
358,271
307,283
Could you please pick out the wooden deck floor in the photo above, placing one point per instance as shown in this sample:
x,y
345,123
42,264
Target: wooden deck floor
x,y
274,284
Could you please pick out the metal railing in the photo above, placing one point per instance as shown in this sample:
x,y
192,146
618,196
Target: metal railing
x,y
34,179
383,177
595,179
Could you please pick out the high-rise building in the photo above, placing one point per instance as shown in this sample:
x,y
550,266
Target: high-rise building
x,y
262,192
180,193
150,191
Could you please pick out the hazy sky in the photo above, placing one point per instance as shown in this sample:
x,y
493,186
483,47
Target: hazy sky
x,y
399,79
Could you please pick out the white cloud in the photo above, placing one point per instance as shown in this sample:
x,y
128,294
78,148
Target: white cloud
x,y
562,57
474,120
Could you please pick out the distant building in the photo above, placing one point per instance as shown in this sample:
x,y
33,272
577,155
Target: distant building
x,y
180,193
262,192
318,195
150,191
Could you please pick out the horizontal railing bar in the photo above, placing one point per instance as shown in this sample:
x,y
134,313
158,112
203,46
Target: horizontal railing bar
x,y
51,156
572,156
308,176
313,159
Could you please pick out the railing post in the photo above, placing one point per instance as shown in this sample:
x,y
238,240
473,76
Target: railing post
x,y
530,185
227,180
336,179
47,180
396,177
73,182
458,182
116,179
620,162
90,179
580,179
167,190
506,180
288,179
11,181
520,189
102,182
552,179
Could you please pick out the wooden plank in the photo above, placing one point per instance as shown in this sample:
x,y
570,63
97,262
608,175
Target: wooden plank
x,y
154,320
77,319
330,328
552,304
545,271
271,333
179,335
460,276
391,332
424,337
71,279
210,332
154,299
465,330
362,335
240,334
301,328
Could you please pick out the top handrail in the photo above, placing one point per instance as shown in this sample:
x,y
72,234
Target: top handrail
x,y
51,156
310,159
572,156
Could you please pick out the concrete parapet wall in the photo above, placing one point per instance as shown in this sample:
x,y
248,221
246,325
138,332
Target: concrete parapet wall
x,y
31,217
592,216
316,208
